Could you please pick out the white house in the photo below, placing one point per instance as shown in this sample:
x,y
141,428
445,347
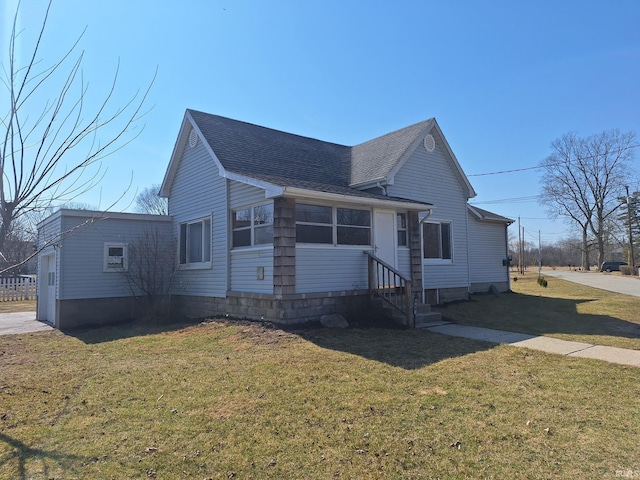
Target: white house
x,y
272,225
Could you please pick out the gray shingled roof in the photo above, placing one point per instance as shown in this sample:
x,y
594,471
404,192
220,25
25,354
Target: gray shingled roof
x,y
373,160
490,216
290,160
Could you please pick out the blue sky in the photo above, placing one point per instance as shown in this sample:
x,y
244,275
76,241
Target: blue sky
x,y
502,78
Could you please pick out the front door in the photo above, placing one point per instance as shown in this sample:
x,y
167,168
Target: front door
x,y
384,236
50,289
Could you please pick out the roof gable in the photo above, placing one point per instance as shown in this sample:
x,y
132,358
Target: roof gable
x,y
276,160
188,125
434,129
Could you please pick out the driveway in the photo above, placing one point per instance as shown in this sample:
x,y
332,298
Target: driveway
x,y
625,284
21,322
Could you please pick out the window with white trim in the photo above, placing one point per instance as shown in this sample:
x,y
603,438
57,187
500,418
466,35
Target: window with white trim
x,y
252,225
436,241
332,225
401,219
195,242
115,257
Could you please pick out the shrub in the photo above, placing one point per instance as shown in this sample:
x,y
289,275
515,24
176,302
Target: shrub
x,y
628,270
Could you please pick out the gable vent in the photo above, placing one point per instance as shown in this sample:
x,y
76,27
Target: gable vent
x,y
193,138
429,143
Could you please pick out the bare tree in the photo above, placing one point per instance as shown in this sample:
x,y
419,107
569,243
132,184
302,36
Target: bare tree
x,y
151,268
47,146
18,248
583,180
148,201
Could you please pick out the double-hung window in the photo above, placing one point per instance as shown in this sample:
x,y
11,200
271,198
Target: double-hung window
x,y
436,238
253,225
401,220
195,243
332,225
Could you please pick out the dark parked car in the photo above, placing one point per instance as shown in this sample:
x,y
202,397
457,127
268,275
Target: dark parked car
x,y
612,266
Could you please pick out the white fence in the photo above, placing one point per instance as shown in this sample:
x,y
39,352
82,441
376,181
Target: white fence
x,y
17,288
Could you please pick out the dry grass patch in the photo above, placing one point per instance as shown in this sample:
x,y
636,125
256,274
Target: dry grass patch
x,y
314,404
18,306
562,310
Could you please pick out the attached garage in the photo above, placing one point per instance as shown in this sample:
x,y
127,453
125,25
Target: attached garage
x,y
84,253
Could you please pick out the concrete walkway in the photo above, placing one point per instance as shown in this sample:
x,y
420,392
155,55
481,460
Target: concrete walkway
x,y
621,356
21,322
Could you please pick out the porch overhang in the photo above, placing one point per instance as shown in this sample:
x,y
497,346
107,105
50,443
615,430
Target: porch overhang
x,y
395,203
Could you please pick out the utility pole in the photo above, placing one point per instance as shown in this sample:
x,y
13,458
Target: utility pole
x,y
523,263
539,255
632,257
520,249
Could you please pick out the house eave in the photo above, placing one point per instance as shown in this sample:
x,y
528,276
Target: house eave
x,y
369,184
485,218
271,190
102,215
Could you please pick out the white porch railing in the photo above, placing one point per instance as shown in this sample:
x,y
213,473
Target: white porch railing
x,y
17,288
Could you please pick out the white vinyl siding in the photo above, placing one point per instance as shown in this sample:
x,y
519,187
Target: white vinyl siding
x,y
330,269
431,178
244,270
241,194
198,192
487,250
81,272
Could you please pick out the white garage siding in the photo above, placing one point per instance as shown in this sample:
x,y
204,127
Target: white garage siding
x,y
487,246
80,250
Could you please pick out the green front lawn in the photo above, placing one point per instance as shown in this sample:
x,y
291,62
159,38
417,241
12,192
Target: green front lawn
x,y
242,400
562,310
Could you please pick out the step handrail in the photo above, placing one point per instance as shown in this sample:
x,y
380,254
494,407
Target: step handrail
x,y
394,287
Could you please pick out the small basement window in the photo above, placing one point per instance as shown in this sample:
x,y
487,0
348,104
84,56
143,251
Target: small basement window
x,y
115,257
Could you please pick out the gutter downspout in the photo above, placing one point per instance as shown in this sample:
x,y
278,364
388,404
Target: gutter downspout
x,y
383,188
506,244
466,215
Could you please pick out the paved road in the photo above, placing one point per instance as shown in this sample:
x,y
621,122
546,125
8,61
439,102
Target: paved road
x,y
21,322
604,281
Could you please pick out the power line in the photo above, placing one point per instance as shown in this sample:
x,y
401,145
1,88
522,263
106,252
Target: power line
x,y
503,171
509,200
544,166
